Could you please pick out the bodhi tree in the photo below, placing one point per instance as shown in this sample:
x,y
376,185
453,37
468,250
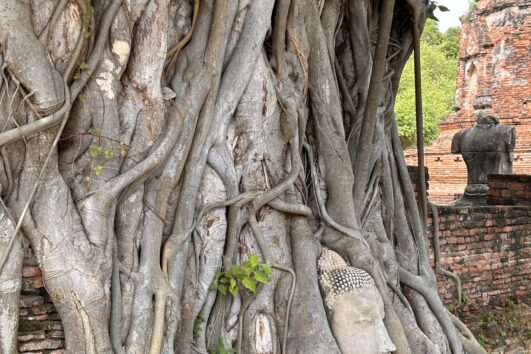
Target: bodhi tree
x,y
180,167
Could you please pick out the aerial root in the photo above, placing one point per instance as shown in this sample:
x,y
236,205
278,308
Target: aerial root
x,y
258,235
470,343
45,34
419,283
163,293
173,53
349,231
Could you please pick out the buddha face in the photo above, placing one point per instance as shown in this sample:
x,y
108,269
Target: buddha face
x,y
357,322
354,305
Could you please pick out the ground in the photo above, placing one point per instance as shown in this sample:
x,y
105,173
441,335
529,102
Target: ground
x,y
502,329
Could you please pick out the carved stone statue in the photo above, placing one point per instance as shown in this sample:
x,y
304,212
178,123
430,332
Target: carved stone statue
x,y
354,306
487,149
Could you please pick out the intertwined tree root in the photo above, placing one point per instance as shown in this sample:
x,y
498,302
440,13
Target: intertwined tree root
x,y
147,144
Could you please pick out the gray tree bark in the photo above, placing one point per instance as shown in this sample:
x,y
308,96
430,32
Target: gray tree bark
x,y
147,144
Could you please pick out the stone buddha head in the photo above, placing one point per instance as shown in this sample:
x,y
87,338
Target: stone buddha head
x,y
354,306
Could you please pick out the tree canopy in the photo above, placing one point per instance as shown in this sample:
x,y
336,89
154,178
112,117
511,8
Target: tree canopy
x,y
439,53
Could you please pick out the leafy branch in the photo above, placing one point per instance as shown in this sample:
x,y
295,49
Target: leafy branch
x,y
248,275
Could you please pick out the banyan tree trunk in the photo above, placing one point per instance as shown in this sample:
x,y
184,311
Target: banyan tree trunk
x,y
177,166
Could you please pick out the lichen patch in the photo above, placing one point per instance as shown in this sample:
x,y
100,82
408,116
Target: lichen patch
x,y
105,79
121,49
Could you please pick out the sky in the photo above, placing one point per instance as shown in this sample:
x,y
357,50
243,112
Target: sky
x,y
451,18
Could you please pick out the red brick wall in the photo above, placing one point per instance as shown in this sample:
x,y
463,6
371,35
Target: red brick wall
x,y
490,249
509,190
40,329
494,75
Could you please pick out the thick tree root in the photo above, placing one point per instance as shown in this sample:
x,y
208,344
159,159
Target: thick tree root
x,y
470,343
25,57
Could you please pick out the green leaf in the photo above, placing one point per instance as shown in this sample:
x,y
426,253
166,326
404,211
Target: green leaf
x,y
108,154
220,347
233,282
266,268
233,288
443,8
262,277
248,266
237,271
223,289
196,330
213,286
98,169
84,66
94,151
94,132
254,260
223,280
249,283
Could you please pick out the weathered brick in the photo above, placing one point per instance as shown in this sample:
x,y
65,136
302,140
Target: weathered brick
x,y
518,186
31,271
32,283
28,336
56,334
41,345
496,184
30,300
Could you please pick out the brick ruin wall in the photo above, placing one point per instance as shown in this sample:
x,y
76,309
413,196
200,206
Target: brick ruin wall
x,y
488,247
39,329
509,190
493,75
